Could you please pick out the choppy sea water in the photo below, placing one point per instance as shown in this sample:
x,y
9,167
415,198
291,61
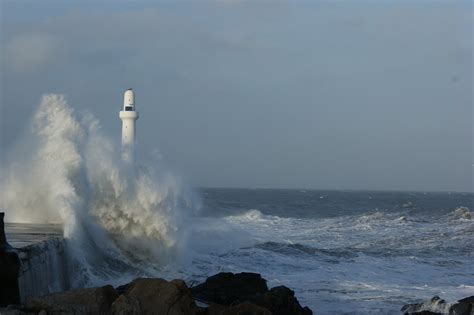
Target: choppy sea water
x,y
347,251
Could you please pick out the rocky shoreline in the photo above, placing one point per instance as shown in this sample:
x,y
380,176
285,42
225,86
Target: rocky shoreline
x,y
221,294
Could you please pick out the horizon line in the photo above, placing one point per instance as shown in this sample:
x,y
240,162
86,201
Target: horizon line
x,y
338,189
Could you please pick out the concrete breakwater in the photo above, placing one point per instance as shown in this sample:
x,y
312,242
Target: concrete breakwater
x,y
31,263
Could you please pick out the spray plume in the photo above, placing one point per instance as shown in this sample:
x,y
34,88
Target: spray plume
x,y
114,214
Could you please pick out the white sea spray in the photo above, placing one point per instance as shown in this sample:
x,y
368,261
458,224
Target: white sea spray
x,y
114,214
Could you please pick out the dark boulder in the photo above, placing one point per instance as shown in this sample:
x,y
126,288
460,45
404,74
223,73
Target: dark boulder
x,y
82,301
436,305
3,237
122,288
13,310
280,301
227,288
463,307
9,270
155,296
247,290
239,309
439,306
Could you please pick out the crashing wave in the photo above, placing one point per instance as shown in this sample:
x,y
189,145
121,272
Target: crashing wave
x,y
113,214
401,219
435,305
331,255
462,213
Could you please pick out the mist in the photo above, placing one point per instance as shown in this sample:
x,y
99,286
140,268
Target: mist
x,y
320,95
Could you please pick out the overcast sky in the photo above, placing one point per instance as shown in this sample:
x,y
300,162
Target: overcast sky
x,y
302,94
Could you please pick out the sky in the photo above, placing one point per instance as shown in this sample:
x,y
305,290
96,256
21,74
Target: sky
x,y
273,94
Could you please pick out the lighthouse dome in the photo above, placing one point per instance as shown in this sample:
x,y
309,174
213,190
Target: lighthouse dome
x,y
128,99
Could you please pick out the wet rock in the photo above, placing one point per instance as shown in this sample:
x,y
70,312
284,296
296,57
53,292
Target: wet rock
x,y
226,287
463,307
280,301
9,270
13,310
3,237
82,301
246,289
155,296
435,305
126,304
239,309
6,311
122,288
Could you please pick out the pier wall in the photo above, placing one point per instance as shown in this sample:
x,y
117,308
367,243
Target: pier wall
x,y
43,268
32,270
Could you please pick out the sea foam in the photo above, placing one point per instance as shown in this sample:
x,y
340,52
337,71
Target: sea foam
x,y
115,215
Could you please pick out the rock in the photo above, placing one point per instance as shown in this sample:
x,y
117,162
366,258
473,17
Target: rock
x,y
82,301
12,311
16,309
239,309
439,306
3,237
226,288
201,310
280,301
125,304
435,305
247,289
122,288
9,270
155,296
463,307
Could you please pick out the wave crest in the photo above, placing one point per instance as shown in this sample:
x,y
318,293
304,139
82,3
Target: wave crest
x,y
462,213
113,213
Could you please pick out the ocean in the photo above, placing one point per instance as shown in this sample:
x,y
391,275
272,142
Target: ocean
x,y
349,251
342,252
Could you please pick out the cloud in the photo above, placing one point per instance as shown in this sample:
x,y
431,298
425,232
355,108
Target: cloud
x,y
31,52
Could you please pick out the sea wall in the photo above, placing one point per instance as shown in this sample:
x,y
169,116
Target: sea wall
x,y
33,270
43,268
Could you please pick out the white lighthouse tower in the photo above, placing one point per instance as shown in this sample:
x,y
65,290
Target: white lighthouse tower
x,y
128,116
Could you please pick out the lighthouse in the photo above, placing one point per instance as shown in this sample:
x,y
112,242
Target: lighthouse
x,y
128,115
